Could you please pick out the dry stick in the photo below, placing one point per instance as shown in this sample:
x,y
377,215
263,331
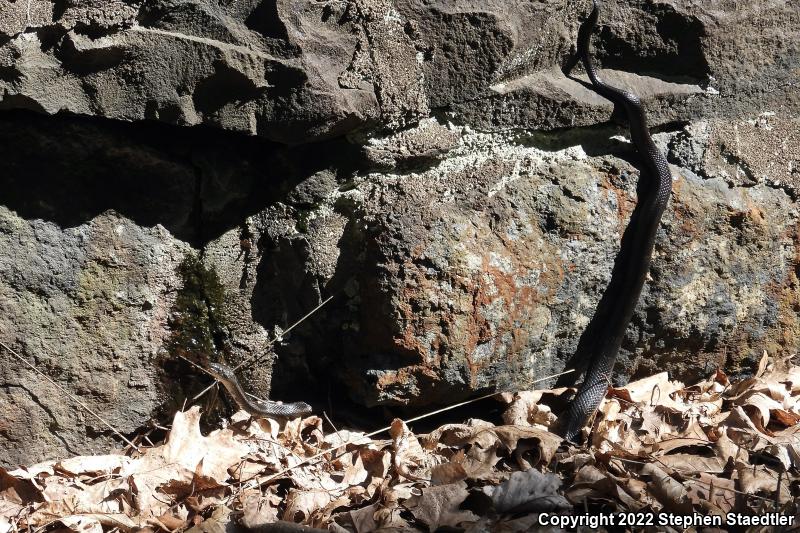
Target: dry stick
x,y
334,427
726,489
269,344
387,428
66,392
693,480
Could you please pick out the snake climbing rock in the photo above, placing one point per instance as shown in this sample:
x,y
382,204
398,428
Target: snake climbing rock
x,y
614,313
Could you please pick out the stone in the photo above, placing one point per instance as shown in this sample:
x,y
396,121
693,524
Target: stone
x,y
179,171
300,74
87,306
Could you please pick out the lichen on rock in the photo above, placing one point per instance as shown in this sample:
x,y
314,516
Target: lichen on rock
x,y
426,164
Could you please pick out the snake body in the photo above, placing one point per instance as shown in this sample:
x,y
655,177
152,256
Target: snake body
x,y
630,270
265,408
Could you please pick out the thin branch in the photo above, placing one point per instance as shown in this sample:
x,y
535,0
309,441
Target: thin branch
x,y
691,480
269,345
333,426
256,483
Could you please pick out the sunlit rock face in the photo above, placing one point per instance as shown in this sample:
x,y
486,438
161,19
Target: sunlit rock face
x,y
424,163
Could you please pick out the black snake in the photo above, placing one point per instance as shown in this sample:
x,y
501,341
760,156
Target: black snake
x,y
626,283
631,269
265,408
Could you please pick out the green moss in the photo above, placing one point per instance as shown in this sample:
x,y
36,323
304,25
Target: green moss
x,y
197,323
197,326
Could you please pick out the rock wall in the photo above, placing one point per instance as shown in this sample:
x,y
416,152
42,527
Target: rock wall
x,y
426,163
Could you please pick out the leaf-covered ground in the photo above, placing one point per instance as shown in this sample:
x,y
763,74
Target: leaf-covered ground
x,y
658,448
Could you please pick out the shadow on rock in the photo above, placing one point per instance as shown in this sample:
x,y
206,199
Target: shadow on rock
x,y
196,182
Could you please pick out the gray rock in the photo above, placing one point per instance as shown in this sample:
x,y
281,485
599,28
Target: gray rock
x,y
427,164
88,306
302,72
484,271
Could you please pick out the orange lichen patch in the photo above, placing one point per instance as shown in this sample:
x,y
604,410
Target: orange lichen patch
x,y
756,214
419,285
625,203
787,294
681,208
483,303
404,376
678,185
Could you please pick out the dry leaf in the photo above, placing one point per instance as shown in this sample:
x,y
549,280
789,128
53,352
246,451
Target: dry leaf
x,y
692,436
744,432
82,524
712,493
690,464
456,435
364,519
726,449
93,464
761,405
410,459
174,519
525,409
378,517
757,479
301,504
787,418
528,492
592,483
259,509
448,473
668,491
210,456
652,390
174,485
762,365
654,425
548,442
439,506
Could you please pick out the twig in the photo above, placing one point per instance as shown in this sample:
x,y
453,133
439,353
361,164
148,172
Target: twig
x,y
707,484
334,427
67,393
693,480
282,526
269,344
256,483
290,328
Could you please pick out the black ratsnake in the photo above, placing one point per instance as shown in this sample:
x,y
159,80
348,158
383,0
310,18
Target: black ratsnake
x,y
264,408
631,269
627,286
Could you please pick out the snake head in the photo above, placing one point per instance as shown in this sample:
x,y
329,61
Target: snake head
x,y
221,371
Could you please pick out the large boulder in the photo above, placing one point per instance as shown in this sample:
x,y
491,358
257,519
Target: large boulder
x,y
186,177
300,72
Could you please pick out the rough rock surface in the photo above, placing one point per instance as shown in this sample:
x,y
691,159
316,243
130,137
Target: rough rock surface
x,y
87,306
299,72
426,163
491,264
